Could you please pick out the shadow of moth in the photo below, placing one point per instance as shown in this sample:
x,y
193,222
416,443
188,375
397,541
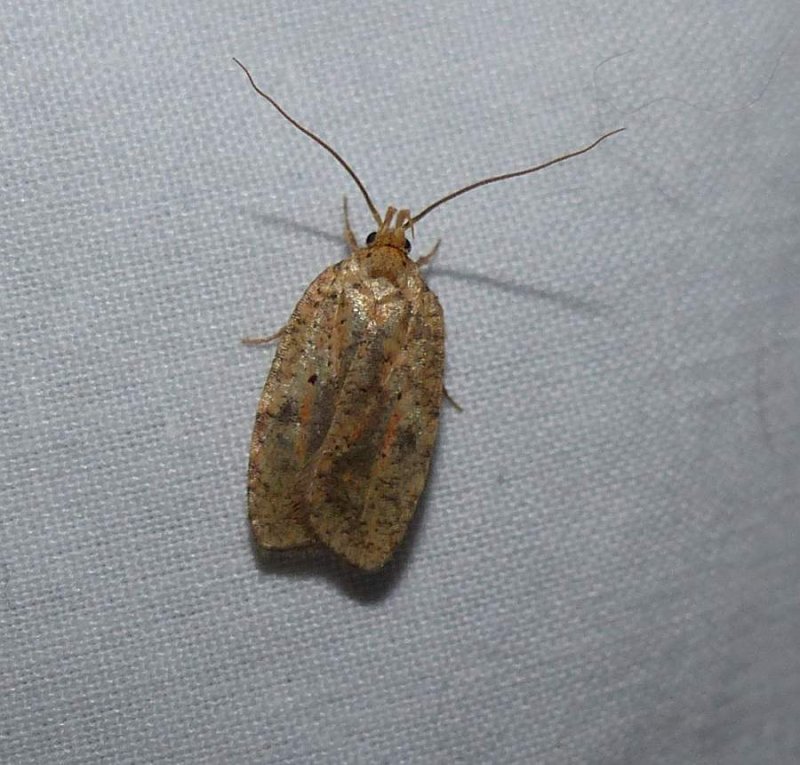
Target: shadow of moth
x,y
347,420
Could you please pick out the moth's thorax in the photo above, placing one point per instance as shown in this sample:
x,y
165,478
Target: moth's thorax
x,y
379,261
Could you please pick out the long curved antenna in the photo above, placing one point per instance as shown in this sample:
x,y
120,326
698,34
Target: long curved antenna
x,y
505,176
313,137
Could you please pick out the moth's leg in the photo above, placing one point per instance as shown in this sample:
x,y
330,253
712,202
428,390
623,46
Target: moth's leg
x,y
349,236
451,399
263,340
425,259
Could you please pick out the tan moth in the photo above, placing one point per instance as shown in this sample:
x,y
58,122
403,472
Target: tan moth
x,y
347,421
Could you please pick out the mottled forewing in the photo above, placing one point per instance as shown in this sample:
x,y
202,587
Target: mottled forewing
x,y
370,470
295,411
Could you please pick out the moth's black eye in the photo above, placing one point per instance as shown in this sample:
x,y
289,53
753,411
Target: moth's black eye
x,y
371,238
407,245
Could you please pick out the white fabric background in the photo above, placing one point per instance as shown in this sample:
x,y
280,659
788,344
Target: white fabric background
x,y
605,566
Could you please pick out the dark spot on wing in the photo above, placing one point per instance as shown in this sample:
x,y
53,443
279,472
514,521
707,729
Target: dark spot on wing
x,y
288,412
406,440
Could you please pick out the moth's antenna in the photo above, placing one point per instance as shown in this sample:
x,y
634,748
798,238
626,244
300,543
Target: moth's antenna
x,y
505,176
313,137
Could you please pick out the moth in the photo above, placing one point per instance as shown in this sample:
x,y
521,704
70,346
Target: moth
x,y
346,424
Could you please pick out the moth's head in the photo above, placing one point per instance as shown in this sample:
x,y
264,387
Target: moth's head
x,y
392,231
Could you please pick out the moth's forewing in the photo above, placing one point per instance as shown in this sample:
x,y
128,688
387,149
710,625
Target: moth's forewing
x,y
293,416
372,466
